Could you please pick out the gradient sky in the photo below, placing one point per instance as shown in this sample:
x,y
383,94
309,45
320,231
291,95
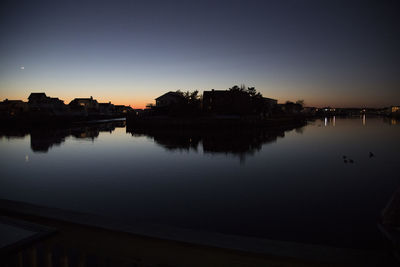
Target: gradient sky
x,y
337,53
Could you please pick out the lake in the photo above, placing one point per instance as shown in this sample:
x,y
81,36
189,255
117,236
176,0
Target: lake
x,y
283,184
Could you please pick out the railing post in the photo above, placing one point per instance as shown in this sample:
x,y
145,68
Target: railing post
x,y
48,257
82,260
32,257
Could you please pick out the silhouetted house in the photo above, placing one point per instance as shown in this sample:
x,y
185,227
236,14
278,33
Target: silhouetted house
x,y
269,102
84,106
309,111
13,107
121,109
227,102
37,99
106,108
39,102
394,111
291,108
139,111
170,99
57,104
268,106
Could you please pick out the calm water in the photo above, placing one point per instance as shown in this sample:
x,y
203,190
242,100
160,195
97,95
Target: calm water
x,y
286,185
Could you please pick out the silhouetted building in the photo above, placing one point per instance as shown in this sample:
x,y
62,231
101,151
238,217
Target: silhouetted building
x,y
291,108
311,111
268,106
84,106
87,103
13,107
269,102
37,98
106,108
41,102
227,102
121,109
169,99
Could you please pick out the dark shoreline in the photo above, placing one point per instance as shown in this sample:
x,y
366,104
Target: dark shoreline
x,y
44,120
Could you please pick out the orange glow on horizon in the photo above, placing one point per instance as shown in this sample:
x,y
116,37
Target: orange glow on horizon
x,y
140,100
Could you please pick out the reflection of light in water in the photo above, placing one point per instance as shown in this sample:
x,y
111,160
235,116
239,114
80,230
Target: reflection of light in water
x,y
363,119
326,121
26,158
334,121
393,122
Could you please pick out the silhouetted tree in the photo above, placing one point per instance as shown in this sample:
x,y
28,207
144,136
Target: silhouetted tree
x,y
192,103
236,88
300,102
251,91
291,107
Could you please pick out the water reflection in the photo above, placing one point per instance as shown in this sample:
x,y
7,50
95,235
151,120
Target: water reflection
x,y
239,142
42,139
392,121
297,189
328,121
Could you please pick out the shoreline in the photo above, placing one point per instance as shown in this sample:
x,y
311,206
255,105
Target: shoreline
x,y
55,121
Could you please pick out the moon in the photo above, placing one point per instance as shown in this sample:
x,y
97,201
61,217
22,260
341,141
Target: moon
x,y
22,68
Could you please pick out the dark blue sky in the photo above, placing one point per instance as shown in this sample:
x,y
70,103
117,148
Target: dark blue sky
x,y
338,53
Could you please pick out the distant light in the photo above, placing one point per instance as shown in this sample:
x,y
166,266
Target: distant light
x,y
26,158
22,67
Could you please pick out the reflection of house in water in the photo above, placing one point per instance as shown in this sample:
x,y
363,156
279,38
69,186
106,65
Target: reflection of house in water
x,y
391,120
13,133
85,132
42,139
239,142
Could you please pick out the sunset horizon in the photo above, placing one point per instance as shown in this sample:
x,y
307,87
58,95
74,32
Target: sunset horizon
x,y
327,54
141,104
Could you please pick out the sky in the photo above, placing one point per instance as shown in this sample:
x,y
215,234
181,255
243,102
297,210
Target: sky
x,y
328,53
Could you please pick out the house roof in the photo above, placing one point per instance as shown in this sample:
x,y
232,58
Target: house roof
x,y
12,101
170,93
83,99
223,93
37,95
